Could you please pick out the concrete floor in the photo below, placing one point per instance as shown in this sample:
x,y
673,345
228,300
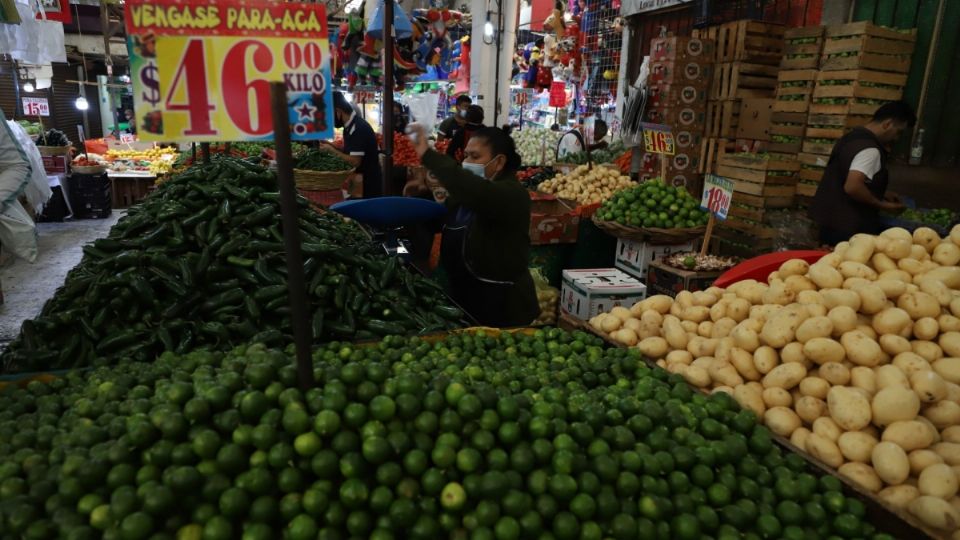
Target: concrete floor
x,y
26,286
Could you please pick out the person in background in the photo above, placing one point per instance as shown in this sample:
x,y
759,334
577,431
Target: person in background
x,y
455,121
131,121
853,190
462,137
359,145
485,245
401,117
599,132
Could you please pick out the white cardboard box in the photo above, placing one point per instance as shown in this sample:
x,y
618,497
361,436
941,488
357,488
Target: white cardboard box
x,y
586,293
634,258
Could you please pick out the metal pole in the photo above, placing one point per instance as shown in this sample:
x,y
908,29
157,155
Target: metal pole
x,y
925,85
205,151
496,86
386,114
296,282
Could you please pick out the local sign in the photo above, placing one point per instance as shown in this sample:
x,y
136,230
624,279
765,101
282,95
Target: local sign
x,y
658,139
34,106
558,94
717,195
202,70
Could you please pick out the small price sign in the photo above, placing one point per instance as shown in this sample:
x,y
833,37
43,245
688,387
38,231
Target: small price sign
x,y
364,95
717,195
658,139
558,94
202,70
127,138
522,96
33,106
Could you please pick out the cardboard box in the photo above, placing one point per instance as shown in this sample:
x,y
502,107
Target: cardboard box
x,y
677,94
587,293
682,48
694,73
685,118
634,257
54,164
553,221
664,279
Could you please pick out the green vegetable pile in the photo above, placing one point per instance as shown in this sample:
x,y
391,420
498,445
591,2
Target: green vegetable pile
x,y
543,436
52,137
200,263
793,97
940,217
802,41
320,160
31,128
611,153
785,138
653,204
251,149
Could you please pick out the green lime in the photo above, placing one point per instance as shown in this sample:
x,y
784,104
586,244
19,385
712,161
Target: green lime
x,y
453,496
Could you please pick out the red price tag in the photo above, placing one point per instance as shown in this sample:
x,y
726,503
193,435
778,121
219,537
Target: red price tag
x,y
558,94
658,139
717,195
35,106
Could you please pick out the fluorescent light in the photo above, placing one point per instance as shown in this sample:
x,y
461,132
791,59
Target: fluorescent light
x,y
28,87
488,29
81,103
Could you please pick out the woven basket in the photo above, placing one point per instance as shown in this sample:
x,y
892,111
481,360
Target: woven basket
x,y
650,235
53,150
320,180
81,169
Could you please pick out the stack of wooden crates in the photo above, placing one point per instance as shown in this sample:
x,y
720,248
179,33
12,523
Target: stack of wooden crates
x,y
795,86
681,70
747,57
862,67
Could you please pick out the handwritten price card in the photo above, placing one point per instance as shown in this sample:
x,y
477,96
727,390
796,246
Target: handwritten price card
x,y
202,70
717,195
658,139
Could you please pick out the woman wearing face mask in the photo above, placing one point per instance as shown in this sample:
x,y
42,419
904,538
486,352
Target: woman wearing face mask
x,y
486,245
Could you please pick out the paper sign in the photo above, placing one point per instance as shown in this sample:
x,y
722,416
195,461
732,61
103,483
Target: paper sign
x,y
717,195
558,94
127,138
658,139
35,106
202,70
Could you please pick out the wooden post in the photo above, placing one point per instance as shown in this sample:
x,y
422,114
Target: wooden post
x,y
205,151
296,281
663,168
386,112
706,236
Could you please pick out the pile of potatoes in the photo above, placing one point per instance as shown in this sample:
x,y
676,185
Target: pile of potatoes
x,y
855,359
587,186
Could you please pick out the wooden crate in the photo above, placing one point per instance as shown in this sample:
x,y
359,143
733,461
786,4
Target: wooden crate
x,y
870,29
722,118
806,189
762,202
860,83
802,47
824,132
750,227
850,107
818,146
711,150
847,121
750,41
812,160
741,80
763,177
794,90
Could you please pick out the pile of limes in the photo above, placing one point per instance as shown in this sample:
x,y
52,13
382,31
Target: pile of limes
x,y
654,204
540,436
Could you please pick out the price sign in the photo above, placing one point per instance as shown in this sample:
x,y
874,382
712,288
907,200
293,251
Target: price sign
x,y
33,106
658,139
717,195
202,70
558,94
127,138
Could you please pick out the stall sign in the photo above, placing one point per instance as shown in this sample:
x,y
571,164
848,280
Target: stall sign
x,y
658,139
202,70
717,195
558,94
35,106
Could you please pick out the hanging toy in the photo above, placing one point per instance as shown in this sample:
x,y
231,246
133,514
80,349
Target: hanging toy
x,y
350,46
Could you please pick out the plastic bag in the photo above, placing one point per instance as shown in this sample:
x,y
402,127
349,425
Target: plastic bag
x,y
423,109
548,297
18,234
33,41
37,190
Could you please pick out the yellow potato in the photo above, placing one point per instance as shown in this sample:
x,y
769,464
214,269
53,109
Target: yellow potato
x,y
848,408
723,327
660,303
949,275
814,327
765,359
844,319
654,347
891,375
928,385
825,276
928,350
890,462
908,434
946,254
704,298
936,289
950,452
911,266
679,356
926,237
862,475
621,313
784,376
856,445
894,403
625,336
898,249
810,408
738,309
799,438
822,350
872,299
633,324
840,297
861,349
938,480
899,496
919,253
950,343
652,317
777,397
696,376
826,427
935,512
701,346
744,364
865,379
811,297
893,344
948,323
942,414
921,459
749,397
882,263
695,314
794,267
799,284
894,282
782,421
955,234
919,305
718,310
860,249
778,293
725,374
815,387
745,337
926,329
851,269
781,328
892,321
824,449
835,373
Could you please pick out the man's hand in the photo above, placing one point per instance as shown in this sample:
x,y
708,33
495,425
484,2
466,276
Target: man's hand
x,y
893,207
418,136
892,197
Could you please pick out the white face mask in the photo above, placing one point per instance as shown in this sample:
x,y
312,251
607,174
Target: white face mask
x,y
479,169
463,114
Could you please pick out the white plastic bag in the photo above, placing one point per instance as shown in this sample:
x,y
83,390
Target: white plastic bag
x,y
37,191
423,109
18,234
33,41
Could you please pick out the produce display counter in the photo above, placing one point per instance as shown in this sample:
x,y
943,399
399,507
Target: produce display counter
x,y
127,188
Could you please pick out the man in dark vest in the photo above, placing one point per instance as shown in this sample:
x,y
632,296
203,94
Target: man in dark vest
x,y
853,190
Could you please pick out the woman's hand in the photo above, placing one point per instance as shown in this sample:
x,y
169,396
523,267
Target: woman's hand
x,y
418,136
